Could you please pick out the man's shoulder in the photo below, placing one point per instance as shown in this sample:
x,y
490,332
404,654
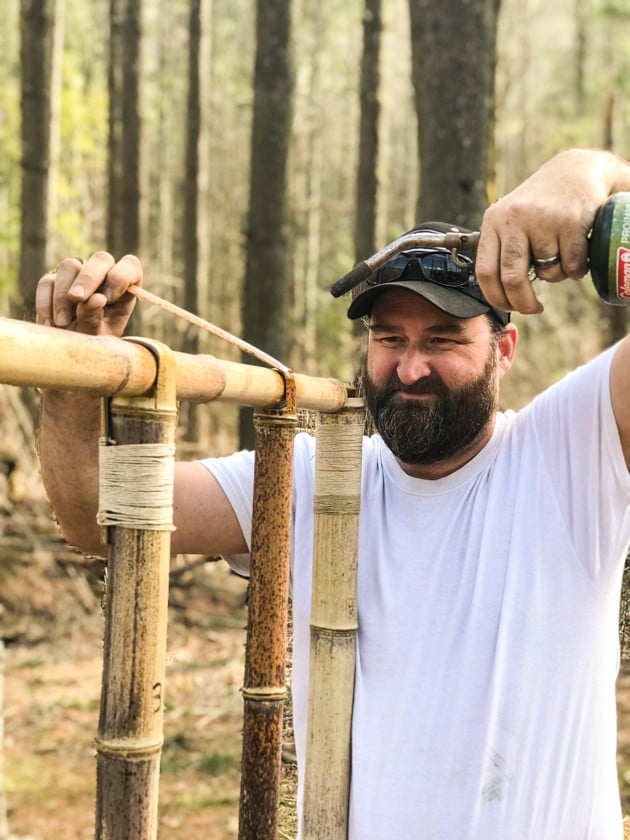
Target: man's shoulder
x,y
582,384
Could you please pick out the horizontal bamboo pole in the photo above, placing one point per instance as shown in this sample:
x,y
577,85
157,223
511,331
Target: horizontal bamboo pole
x,y
44,357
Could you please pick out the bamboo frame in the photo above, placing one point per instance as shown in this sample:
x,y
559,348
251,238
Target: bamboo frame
x,y
130,735
145,382
334,623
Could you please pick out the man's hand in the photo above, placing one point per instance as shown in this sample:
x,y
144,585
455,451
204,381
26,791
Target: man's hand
x,y
548,215
90,298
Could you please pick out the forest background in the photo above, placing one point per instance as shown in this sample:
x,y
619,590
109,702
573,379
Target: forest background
x,y
250,155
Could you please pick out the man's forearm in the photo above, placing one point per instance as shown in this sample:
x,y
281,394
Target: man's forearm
x,y
69,431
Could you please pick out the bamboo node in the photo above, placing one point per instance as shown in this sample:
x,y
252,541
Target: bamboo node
x,y
266,417
336,633
335,503
136,485
265,692
132,749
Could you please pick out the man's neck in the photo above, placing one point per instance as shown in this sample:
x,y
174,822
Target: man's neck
x,y
440,469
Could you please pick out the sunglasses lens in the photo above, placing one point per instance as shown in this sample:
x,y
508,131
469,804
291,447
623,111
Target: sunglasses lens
x,y
439,268
435,266
392,270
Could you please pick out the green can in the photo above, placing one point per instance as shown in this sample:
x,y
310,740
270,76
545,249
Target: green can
x,y
609,250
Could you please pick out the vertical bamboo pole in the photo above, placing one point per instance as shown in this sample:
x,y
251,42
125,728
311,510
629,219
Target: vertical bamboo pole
x,y
264,683
129,738
334,623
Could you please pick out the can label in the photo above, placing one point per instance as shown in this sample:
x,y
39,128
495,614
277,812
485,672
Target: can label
x,y
623,273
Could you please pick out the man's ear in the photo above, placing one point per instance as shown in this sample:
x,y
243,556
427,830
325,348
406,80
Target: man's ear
x,y
506,348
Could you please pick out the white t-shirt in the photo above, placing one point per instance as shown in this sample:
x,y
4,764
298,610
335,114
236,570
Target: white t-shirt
x,y
488,610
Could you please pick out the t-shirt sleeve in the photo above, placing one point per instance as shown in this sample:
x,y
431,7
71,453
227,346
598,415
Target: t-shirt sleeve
x,y
581,449
235,474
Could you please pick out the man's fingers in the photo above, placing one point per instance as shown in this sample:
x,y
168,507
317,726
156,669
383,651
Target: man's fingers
x,y
85,296
62,307
519,291
487,268
43,299
574,251
502,267
91,277
125,273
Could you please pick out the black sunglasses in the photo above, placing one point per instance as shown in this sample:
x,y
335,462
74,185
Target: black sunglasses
x,y
435,266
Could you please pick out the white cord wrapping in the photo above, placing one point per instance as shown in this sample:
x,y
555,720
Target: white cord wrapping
x,y
136,485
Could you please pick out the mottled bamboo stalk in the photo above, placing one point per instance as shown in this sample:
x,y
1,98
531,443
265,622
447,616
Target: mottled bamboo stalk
x,y
129,738
264,683
334,623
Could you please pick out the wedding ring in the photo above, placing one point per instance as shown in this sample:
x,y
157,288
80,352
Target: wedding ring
x,y
546,262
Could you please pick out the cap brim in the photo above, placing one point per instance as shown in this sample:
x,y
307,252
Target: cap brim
x,y
450,300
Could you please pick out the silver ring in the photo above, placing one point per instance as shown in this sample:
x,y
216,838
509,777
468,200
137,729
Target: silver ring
x,y
547,262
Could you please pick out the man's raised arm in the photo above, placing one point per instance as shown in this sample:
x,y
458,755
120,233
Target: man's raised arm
x,y
93,299
550,215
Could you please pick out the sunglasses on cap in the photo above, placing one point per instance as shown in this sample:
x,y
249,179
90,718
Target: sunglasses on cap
x,y
434,266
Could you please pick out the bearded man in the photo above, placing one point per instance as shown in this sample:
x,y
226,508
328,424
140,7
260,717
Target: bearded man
x,y
491,544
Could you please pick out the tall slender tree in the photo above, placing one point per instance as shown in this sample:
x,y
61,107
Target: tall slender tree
x,y
190,236
453,68
367,180
37,29
123,211
265,288
195,254
367,170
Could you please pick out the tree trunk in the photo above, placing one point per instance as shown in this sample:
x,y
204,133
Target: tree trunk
x,y
190,236
123,212
190,233
367,178
453,61
367,181
265,292
306,184
37,27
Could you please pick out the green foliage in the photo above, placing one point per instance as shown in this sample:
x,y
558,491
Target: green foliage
x,y
615,9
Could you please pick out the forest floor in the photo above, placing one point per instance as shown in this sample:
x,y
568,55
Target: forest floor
x,y
51,620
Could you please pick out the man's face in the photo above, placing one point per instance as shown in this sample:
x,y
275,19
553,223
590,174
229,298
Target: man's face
x,y
431,380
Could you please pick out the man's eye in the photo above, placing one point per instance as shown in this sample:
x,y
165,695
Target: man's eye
x,y
391,340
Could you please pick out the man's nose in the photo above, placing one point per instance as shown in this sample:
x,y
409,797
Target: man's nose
x,y
412,366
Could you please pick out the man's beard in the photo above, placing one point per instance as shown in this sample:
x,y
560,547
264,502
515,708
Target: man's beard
x,y
426,432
